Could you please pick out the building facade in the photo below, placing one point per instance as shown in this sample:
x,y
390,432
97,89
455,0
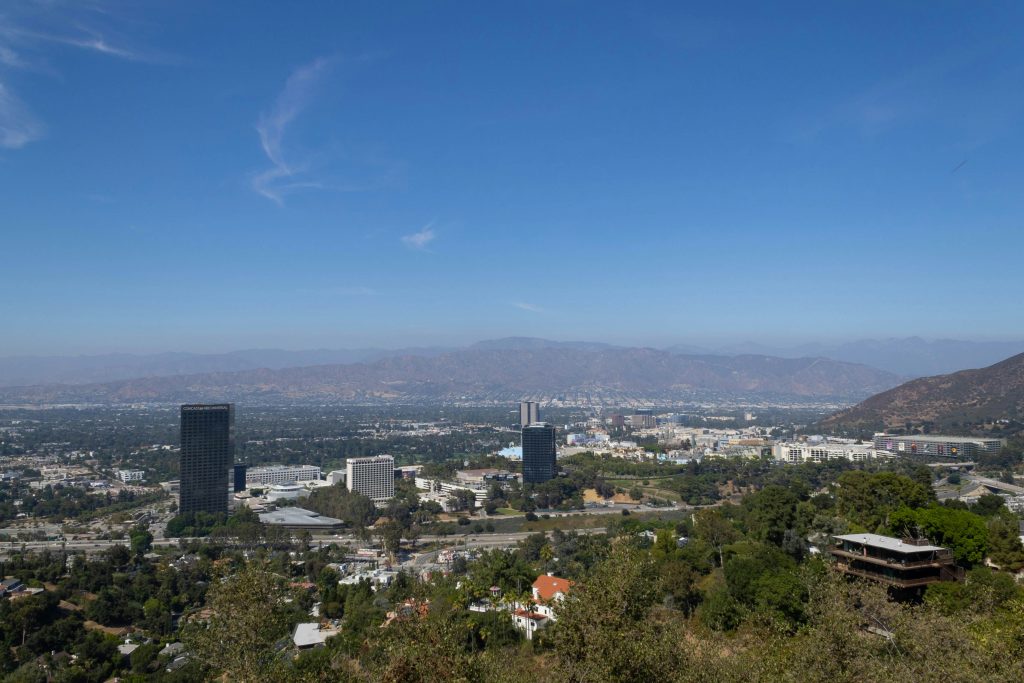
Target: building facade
x,y
238,477
937,445
539,453
131,475
529,413
799,452
903,564
373,477
207,455
282,474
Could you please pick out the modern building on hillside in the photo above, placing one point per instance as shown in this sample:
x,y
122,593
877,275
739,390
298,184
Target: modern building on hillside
x,y
897,563
373,477
937,445
539,453
282,474
207,454
529,412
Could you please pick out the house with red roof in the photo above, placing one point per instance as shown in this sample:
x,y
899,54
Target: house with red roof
x,y
548,591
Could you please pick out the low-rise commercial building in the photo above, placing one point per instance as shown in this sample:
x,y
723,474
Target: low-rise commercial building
x,y
936,444
300,519
131,475
281,474
822,451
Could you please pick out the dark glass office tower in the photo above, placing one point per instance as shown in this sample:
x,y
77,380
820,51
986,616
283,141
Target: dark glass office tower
x,y
539,453
240,471
207,455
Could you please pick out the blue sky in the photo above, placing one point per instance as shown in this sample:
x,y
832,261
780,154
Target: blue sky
x,y
198,176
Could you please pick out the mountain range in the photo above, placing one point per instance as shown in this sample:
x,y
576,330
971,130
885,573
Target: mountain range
x,y
910,357
947,401
503,370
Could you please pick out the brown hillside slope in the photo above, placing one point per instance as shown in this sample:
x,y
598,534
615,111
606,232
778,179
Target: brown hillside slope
x,y
961,397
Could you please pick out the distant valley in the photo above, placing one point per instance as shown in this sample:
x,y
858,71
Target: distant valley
x,y
494,371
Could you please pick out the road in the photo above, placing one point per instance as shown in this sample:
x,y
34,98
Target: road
x,y
482,540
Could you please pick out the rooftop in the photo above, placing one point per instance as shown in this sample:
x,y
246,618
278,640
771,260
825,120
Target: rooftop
x,y
312,633
935,438
888,543
548,586
293,516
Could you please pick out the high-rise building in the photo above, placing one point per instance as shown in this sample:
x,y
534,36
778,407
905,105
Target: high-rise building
x,y
207,455
539,453
529,412
239,477
373,477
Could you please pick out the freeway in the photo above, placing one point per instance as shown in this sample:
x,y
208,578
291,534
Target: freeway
x,y
481,540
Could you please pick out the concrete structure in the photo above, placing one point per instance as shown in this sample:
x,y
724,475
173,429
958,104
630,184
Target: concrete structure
x,y
642,421
485,476
373,477
281,474
313,634
798,452
906,564
336,477
937,445
207,454
131,475
539,453
529,413
289,491
299,518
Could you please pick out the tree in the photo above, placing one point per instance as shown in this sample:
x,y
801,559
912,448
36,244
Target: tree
x,y
713,528
770,513
1005,548
867,498
249,614
141,540
961,531
604,630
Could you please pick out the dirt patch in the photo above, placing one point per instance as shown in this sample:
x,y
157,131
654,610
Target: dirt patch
x,y
110,630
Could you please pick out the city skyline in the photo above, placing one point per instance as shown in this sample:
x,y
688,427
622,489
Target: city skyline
x,y
167,186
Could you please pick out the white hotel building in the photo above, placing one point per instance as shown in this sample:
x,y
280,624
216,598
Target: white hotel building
x,y
373,477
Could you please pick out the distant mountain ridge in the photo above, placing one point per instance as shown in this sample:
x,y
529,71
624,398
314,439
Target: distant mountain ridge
x,y
493,374
910,357
946,401
32,370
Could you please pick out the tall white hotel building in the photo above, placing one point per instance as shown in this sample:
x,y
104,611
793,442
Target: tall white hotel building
x,y
373,477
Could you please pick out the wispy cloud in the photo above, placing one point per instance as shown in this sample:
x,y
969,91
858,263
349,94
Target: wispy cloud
x,y
285,176
18,126
422,239
28,30
532,308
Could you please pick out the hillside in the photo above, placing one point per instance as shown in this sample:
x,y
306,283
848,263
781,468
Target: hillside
x,y
946,400
494,374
